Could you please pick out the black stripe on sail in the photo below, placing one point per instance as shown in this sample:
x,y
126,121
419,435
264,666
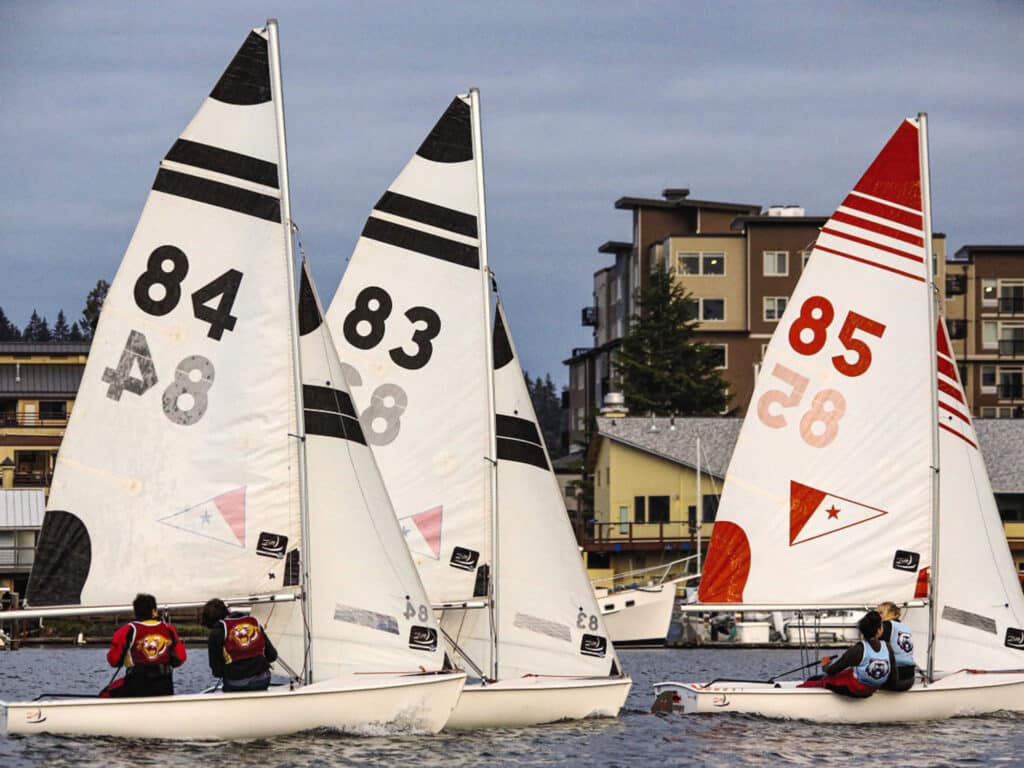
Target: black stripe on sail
x,y
525,453
333,425
516,428
224,161
309,313
428,213
421,242
246,81
62,561
221,195
328,399
502,346
451,140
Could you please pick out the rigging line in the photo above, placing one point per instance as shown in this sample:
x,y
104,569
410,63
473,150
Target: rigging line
x,y
465,656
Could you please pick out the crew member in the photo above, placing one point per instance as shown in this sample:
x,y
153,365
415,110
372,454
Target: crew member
x,y
898,636
863,668
240,652
149,649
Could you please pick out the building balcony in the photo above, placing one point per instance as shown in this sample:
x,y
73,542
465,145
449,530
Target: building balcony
x,y
956,285
1011,347
31,479
32,420
1011,305
588,316
624,537
17,559
1011,391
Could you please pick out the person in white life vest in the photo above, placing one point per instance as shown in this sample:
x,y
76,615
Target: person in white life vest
x,y
240,652
898,636
149,649
863,668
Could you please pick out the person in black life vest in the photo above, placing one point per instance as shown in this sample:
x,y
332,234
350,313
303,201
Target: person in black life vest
x,y
898,636
863,668
149,649
240,652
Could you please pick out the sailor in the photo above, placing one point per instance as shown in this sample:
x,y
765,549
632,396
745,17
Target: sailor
x,y
239,649
898,636
149,649
863,668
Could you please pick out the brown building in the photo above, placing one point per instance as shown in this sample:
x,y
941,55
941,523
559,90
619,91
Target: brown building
x,y
984,311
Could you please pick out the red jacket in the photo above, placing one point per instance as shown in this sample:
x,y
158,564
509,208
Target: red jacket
x,y
118,651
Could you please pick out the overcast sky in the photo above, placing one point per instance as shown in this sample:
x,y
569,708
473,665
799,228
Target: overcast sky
x,y
583,102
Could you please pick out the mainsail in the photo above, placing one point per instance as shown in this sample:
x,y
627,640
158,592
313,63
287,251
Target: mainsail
x,y
828,495
177,475
411,317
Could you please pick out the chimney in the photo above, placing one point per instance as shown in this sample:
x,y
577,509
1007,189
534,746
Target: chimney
x,y
614,406
675,193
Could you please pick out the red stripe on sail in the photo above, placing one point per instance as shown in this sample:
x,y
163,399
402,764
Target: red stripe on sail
x,y
941,342
954,411
950,390
803,501
958,434
876,208
727,565
895,175
871,243
881,229
869,263
946,368
921,588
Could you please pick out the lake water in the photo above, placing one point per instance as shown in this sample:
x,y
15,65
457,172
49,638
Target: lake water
x,y
636,738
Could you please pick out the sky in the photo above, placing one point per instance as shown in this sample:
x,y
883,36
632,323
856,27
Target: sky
x,y
582,103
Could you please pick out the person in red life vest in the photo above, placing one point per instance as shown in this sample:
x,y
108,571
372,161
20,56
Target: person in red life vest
x,y
149,649
240,651
863,668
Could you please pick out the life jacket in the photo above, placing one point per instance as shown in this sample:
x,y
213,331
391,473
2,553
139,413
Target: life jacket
x,y
874,668
243,639
151,644
902,643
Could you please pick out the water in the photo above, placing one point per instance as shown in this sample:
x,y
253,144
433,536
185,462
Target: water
x,y
636,738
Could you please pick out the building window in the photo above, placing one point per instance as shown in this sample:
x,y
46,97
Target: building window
x,y
774,306
623,519
990,335
659,509
989,293
639,509
700,263
691,517
570,491
710,507
53,409
805,256
988,412
962,370
719,354
988,379
1011,384
712,309
776,263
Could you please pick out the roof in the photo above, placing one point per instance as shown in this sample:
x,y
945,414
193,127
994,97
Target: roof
x,y
26,379
44,347
22,509
614,246
629,203
1002,443
966,252
740,221
581,353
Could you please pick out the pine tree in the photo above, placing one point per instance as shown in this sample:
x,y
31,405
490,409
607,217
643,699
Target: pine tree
x,y
60,328
8,330
37,329
93,305
663,369
75,334
548,406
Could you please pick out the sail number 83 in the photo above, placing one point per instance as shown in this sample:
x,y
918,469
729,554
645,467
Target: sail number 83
x,y
819,424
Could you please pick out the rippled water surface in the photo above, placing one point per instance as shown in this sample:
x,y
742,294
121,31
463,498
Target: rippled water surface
x,y
636,738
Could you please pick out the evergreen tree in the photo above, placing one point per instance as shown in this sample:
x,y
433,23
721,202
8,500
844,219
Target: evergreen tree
x,y
37,329
60,328
75,334
93,305
548,407
8,330
663,369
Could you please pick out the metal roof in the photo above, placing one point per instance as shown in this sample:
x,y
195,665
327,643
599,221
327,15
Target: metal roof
x,y
22,509
44,347
25,379
1001,440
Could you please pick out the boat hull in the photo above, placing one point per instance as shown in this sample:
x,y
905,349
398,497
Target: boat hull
x,y
363,704
962,694
538,700
638,616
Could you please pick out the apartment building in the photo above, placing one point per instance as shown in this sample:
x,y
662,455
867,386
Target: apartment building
x,y
984,311
38,384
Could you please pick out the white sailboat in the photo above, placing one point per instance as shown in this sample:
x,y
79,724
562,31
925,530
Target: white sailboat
x,y
209,396
456,439
857,472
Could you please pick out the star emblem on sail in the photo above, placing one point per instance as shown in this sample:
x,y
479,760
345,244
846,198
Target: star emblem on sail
x,y
221,518
814,513
422,532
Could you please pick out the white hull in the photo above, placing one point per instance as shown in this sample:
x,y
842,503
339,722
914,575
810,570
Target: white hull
x,y
537,700
353,704
962,694
640,615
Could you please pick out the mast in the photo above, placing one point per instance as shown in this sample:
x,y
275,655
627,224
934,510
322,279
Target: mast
x,y
700,507
293,317
929,261
485,287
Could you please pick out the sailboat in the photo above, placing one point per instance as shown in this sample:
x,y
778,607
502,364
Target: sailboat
x,y
213,451
446,409
857,473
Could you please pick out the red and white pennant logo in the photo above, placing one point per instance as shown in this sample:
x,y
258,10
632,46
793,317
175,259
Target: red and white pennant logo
x,y
814,513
